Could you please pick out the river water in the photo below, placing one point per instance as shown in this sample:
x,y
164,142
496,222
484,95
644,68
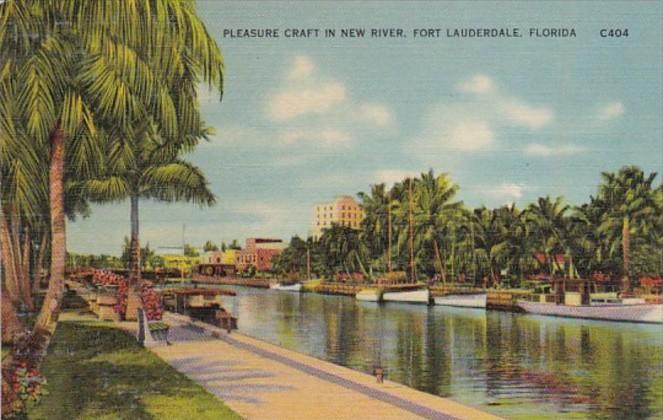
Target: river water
x,y
517,366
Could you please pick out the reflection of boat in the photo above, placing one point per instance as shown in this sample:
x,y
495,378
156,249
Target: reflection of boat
x,y
468,300
407,296
369,295
573,298
295,287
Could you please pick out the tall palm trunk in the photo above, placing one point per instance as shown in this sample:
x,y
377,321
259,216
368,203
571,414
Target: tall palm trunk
x,y
438,255
308,263
49,312
389,233
410,219
39,266
8,260
626,249
26,290
134,264
11,325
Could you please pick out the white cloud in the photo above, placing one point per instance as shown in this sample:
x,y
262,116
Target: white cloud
x,y
470,136
376,114
536,149
612,110
302,68
475,124
506,191
533,117
391,176
329,137
478,84
292,103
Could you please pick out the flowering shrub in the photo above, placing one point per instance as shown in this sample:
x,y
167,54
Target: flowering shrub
x,y
151,302
108,278
22,383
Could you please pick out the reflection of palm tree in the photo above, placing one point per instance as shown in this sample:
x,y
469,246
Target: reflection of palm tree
x,y
93,78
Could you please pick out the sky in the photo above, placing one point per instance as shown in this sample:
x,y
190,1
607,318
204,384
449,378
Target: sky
x,y
303,120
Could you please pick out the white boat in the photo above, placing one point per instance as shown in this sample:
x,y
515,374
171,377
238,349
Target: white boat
x,y
408,296
471,300
369,295
629,310
296,287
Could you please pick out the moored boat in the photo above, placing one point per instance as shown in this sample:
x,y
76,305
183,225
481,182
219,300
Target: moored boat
x,y
295,287
407,296
623,311
574,299
369,295
468,300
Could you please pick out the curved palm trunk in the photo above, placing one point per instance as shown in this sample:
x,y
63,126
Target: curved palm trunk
x,y
134,264
49,312
626,249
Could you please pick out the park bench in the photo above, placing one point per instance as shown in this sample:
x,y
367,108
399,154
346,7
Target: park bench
x,y
151,333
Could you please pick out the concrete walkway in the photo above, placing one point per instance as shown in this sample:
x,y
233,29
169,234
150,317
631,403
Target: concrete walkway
x,y
263,381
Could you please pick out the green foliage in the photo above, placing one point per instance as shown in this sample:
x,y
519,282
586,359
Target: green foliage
x,y
190,251
503,245
210,246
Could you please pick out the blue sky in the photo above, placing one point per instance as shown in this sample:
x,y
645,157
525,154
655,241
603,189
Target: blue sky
x,y
304,120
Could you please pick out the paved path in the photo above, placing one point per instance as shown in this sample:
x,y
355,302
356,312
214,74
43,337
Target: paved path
x,y
263,381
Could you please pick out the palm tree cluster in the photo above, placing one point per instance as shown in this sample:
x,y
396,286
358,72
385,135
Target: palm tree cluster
x,y
418,226
98,103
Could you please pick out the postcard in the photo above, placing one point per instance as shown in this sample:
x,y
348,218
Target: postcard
x,y
331,209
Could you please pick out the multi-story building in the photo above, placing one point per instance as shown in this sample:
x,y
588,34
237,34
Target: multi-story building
x,y
343,211
258,253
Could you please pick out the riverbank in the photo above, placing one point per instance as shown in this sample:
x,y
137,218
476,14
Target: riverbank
x,y
260,380
97,370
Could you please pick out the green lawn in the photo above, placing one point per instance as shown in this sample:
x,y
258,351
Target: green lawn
x,y
96,371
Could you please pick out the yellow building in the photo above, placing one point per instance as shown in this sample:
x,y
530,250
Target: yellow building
x,y
343,211
180,262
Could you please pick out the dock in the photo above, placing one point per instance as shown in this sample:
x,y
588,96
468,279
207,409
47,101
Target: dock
x,y
230,281
260,380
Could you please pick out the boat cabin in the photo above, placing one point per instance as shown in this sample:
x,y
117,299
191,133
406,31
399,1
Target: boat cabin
x,y
576,292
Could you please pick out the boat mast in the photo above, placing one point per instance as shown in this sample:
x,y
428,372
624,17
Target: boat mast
x,y
413,275
389,231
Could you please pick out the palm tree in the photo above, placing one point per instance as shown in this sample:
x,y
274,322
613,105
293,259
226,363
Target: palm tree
x,y
550,226
433,211
81,72
629,202
143,167
513,247
343,249
375,226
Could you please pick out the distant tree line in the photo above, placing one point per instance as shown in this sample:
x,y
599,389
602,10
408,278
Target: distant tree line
x,y
418,226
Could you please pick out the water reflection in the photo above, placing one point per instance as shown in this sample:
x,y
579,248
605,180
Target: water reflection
x,y
513,365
